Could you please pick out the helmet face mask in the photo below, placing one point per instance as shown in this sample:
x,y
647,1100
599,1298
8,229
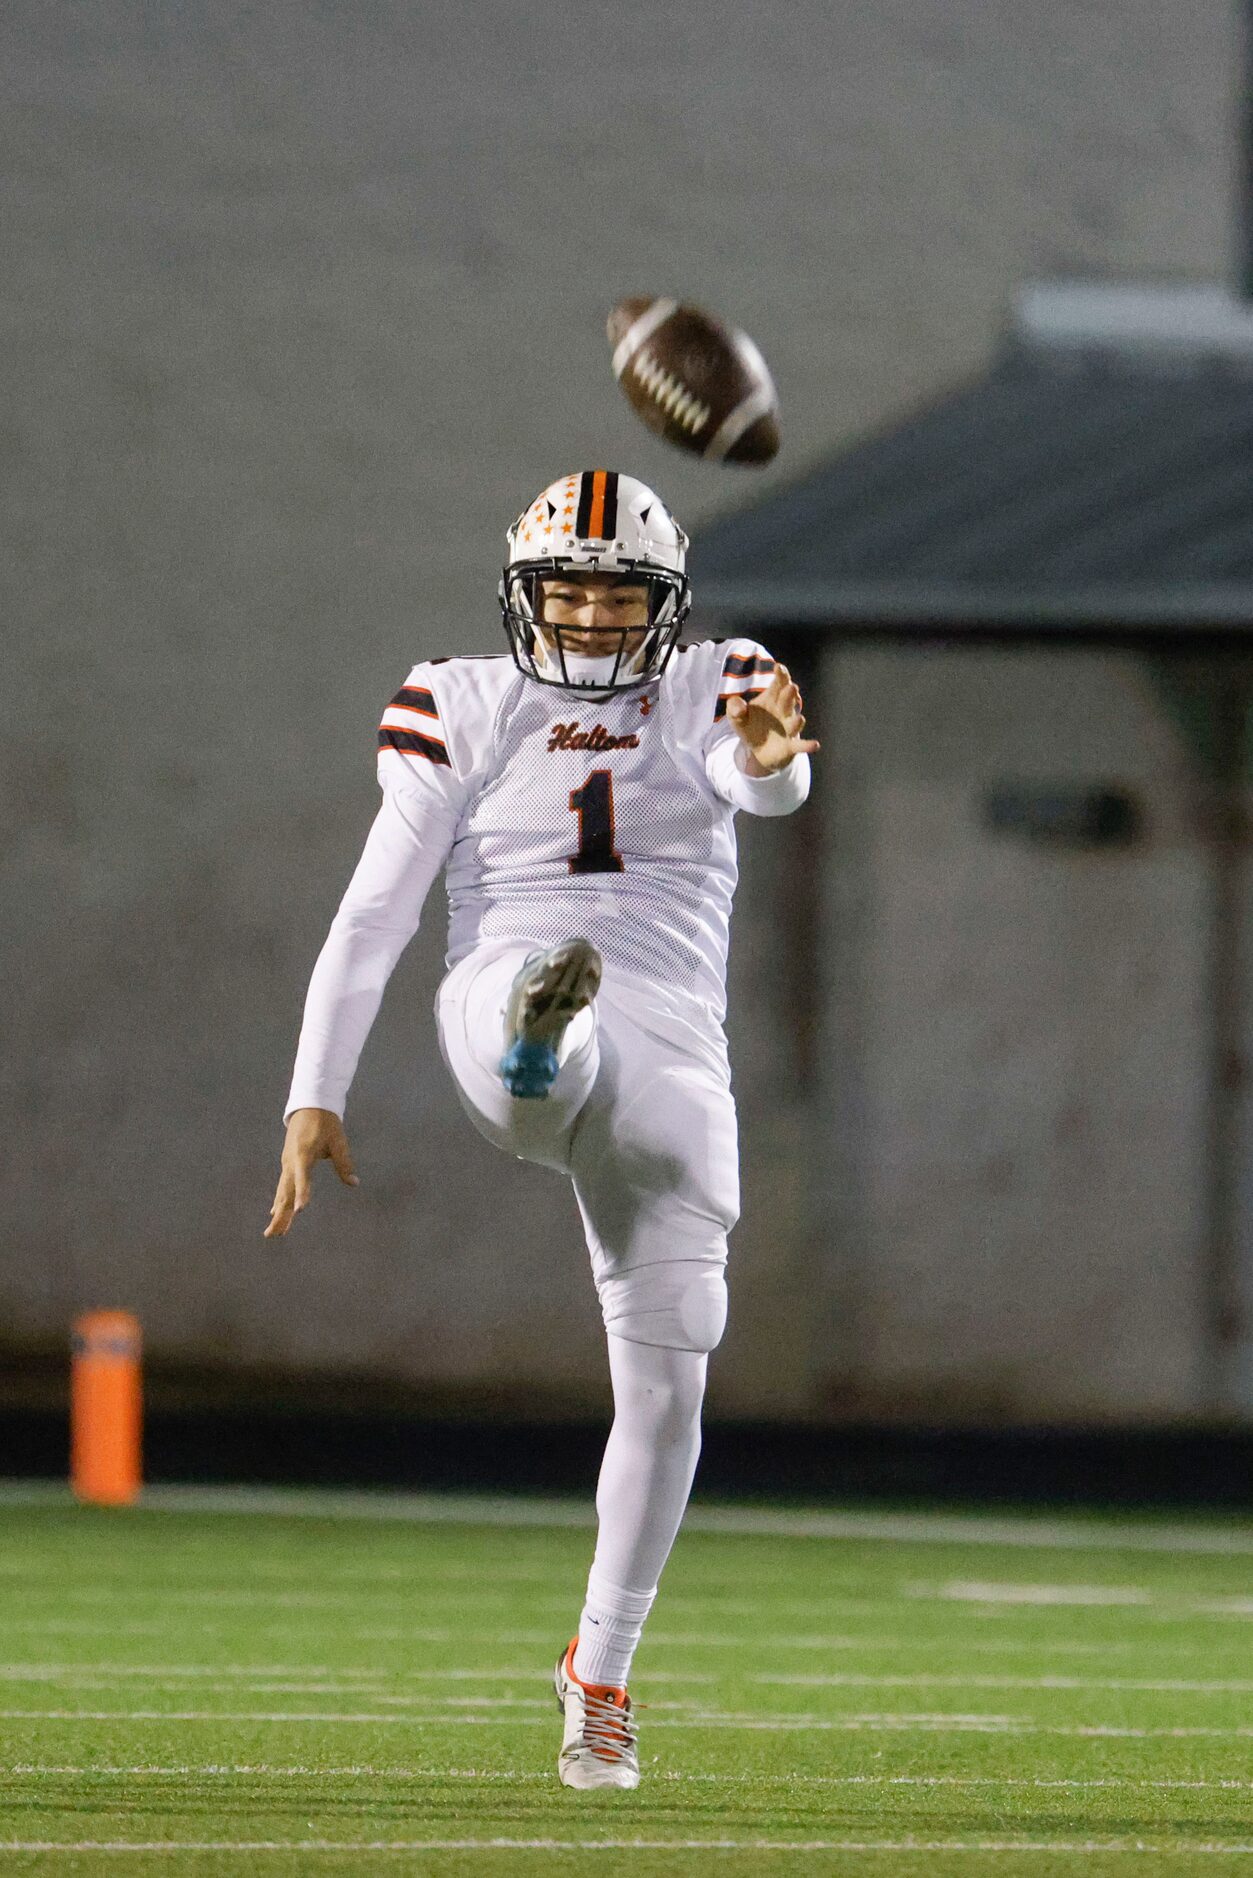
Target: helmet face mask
x,y
555,652
613,531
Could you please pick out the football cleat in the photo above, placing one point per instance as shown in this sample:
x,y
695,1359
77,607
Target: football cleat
x,y
598,1747
550,990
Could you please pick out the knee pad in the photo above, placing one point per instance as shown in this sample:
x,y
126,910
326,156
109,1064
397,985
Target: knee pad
x,y
680,1306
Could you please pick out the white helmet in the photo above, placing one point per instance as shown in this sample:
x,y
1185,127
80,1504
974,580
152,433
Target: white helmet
x,y
595,521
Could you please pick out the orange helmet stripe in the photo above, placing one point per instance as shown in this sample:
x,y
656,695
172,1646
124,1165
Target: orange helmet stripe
x,y
596,522
597,518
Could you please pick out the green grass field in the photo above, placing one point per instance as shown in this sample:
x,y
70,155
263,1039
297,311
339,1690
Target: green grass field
x,y
301,1683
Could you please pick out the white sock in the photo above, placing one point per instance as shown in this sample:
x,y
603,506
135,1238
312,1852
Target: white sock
x,y
609,1630
645,1479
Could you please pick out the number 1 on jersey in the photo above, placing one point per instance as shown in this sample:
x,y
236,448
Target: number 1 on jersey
x,y
593,804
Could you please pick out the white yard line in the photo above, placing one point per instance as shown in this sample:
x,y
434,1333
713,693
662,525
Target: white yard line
x,y
1135,1535
546,1640
1174,1847
1127,1684
770,1643
215,1598
262,1598
331,1719
37,1672
914,1644
96,1627
177,1621
426,1576
425,1701
696,1718
977,1593
314,1771
367,1682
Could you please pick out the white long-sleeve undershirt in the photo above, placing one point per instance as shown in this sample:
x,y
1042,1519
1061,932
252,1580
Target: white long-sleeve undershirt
x,y
378,916
756,795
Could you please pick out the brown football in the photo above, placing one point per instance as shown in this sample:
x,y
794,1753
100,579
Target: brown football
x,y
696,381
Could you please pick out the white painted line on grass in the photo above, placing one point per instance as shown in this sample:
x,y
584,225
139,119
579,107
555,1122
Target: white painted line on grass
x,y
1054,1846
1163,1604
464,1701
423,1579
425,1700
696,1718
40,1672
1126,1684
314,1771
331,1680
979,1591
266,1715
95,1627
549,1639
213,1598
1234,1539
948,1643
371,1690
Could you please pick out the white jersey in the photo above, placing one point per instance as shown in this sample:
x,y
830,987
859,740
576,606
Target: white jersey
x,y
554,816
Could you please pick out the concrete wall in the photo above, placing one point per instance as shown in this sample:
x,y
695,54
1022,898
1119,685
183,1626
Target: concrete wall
x,y
303,301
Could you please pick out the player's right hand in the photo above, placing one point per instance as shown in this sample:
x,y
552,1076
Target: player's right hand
x,y
312,1135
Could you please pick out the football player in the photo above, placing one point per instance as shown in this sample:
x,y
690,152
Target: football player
x,y
580,795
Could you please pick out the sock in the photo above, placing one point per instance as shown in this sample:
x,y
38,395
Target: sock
x,y
609,1630
645,1479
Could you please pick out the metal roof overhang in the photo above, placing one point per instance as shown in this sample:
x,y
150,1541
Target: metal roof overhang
x,y
903,609
1095,484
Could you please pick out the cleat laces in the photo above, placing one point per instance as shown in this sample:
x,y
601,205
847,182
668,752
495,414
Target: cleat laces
x,y
609,1730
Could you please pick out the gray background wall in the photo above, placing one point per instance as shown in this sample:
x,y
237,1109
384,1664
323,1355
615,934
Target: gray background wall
x,y
302,302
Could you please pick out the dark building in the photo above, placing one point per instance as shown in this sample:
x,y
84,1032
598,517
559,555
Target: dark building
x,y
1025,622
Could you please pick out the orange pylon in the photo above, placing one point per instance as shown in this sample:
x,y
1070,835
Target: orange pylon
x,y
106,1408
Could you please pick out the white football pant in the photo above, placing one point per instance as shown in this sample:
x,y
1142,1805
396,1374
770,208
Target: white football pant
x,y
640,1117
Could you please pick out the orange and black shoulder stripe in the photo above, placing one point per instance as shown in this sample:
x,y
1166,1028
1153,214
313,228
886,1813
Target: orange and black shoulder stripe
x,y
597,517
746,665
413,743
740,665
399,732
416,698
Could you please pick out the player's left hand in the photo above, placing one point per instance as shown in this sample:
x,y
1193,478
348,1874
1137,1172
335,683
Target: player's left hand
x,y
771,725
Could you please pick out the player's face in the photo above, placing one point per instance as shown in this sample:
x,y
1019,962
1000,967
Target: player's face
x,y
594,610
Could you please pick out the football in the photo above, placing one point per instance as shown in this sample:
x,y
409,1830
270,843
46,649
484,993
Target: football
x,y
699,383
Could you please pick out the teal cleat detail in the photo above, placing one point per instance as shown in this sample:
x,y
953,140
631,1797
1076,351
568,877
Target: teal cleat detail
x,y
551,989
529,1070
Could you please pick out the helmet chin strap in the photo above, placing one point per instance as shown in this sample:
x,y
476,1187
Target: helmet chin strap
x,y
584,669
596,671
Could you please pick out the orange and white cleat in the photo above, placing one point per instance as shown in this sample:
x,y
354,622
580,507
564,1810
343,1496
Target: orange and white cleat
x,y
598,1748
